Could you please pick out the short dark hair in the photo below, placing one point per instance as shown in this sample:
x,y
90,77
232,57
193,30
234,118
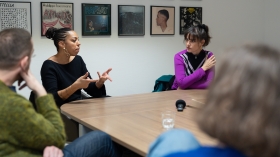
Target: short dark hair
x,y
198,32
243,104
57,35
15,43
165,13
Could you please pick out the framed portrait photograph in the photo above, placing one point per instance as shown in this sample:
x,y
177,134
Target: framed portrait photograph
x,y
131,20
189,16
57,15
15,15
96,19
162,20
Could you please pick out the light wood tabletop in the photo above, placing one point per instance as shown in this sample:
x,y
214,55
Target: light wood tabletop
x,y
134,121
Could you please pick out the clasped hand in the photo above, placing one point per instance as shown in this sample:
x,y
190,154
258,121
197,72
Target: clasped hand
x,y
209,63
52,151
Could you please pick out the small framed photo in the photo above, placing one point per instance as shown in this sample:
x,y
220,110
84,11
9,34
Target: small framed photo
x,y
96,19
57,15
15,15
162,20
189,16
131,20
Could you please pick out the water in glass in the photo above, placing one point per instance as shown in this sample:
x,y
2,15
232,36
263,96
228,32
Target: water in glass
x,y
168,123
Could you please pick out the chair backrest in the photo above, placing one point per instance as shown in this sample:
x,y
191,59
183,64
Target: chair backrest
x,y
85,95
32,99
164,83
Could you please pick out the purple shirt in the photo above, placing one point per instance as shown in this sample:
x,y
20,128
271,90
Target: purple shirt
x,y
199,79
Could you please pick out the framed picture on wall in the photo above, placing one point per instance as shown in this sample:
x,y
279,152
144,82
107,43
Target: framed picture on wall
x,y
131,20
189,16
96,19
15,15
162,20
57,15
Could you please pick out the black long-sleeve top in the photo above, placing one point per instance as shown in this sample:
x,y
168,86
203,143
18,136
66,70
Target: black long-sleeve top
x,y
56,77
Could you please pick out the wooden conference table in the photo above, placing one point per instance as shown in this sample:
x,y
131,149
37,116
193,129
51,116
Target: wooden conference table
x,y
134,121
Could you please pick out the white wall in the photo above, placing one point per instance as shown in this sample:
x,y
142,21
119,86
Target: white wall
x,y
138,61
272,22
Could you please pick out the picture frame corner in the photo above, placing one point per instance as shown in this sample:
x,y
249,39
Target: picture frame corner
x,y
104,27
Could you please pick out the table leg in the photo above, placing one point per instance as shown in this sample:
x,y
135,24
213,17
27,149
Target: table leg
x,y
83,130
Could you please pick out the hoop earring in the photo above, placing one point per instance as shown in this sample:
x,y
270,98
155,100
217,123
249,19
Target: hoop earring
x,y
66,52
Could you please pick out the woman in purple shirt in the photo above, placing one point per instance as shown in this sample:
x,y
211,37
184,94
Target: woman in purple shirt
x,y
194,67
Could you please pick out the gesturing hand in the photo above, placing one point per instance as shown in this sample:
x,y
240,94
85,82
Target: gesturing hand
x,y
84,81
102,78
209,63
52,151
105,76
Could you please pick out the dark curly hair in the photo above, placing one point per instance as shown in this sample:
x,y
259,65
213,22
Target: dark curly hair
x,y
165,13
57,35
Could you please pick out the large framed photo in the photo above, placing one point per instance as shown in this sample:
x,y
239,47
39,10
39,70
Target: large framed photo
x,y
57,15
189,16
96,19
15,15
131,20
162,20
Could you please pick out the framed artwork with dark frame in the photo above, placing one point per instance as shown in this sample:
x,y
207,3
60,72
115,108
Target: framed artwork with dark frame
x,y
162,20
96,19
57,15
189,16
131,20
15,14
